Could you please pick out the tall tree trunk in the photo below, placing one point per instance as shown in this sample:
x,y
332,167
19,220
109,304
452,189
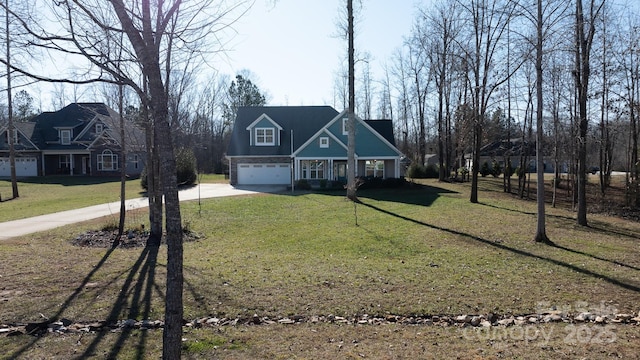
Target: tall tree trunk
x,y
11,130
584,41
541,234
154,191
351,120
123,165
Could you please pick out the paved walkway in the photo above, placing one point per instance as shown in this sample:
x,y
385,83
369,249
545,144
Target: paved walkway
x,y
22,227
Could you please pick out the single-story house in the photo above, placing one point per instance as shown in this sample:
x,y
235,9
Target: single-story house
x,y
80,139
284,144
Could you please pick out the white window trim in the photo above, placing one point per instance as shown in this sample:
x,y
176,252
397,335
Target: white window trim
x,y
99,128
63,139
376,165
113,158
345,126
310,169
324,142
15,136
265,130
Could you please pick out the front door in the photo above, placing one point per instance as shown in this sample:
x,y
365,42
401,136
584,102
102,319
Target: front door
x,y
86,165
340,171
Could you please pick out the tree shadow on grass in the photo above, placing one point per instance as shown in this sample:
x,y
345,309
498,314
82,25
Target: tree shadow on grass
x,y
411,193
501,246
602,228
135,295
39,328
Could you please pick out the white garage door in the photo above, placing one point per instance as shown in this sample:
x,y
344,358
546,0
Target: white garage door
x,y
264,174
26,166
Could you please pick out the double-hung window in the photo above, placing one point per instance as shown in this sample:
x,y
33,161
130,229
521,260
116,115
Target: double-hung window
x,y
15,136
374,168
65,137
265,136
313,169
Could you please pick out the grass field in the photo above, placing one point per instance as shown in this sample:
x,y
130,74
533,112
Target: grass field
x,y
419,251
44,195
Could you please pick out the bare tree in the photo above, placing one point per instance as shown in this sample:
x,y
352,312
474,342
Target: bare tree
x,y
442,29
151,30
351,118
488,21
585,32
11,130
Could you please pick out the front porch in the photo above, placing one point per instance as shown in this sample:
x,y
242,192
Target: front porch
x,y
335,169
66,163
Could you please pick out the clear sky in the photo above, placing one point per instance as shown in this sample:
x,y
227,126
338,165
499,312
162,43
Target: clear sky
x,y
293,49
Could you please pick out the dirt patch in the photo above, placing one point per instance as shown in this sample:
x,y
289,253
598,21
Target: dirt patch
x,y
130,239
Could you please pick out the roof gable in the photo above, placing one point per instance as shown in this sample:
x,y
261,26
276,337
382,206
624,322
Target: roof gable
x,y
264,121
369,142
312,148
297,125
24,130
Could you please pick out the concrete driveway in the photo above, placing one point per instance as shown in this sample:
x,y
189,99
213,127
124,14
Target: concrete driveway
x,y
22,227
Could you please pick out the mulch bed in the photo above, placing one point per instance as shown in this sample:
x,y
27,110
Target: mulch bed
x,y
130,239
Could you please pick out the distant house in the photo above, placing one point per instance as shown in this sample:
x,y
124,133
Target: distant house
x,y
278,145
80,139
497,151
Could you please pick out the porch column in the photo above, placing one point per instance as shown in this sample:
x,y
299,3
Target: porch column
x,y
396,166
43,167
330,170
71,164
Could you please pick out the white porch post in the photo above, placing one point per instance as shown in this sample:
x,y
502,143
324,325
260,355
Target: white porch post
x,y
396,165
71,164
330,170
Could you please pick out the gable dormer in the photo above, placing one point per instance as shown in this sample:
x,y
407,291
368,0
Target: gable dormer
x,y
65,135
264,132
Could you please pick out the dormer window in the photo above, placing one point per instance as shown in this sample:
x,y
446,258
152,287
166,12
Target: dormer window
x,y
265,136
65,137
99,128
324,142
15,136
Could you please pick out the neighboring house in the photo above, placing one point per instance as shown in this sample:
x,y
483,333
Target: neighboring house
x,y
498,150
283,144
80,139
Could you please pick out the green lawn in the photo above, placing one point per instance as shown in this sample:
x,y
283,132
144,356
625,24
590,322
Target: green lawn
x,y
419,251
44,195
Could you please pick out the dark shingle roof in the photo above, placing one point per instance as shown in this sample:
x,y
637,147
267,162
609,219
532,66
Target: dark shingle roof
x,y
384,128
305,121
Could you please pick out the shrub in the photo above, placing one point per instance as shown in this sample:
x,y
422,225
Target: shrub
x,y
496,169
431,172
417,171
484,170
185,168
390,183
303,184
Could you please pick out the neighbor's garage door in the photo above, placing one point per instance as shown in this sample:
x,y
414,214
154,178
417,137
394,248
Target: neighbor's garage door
x,y
26,166
264,174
